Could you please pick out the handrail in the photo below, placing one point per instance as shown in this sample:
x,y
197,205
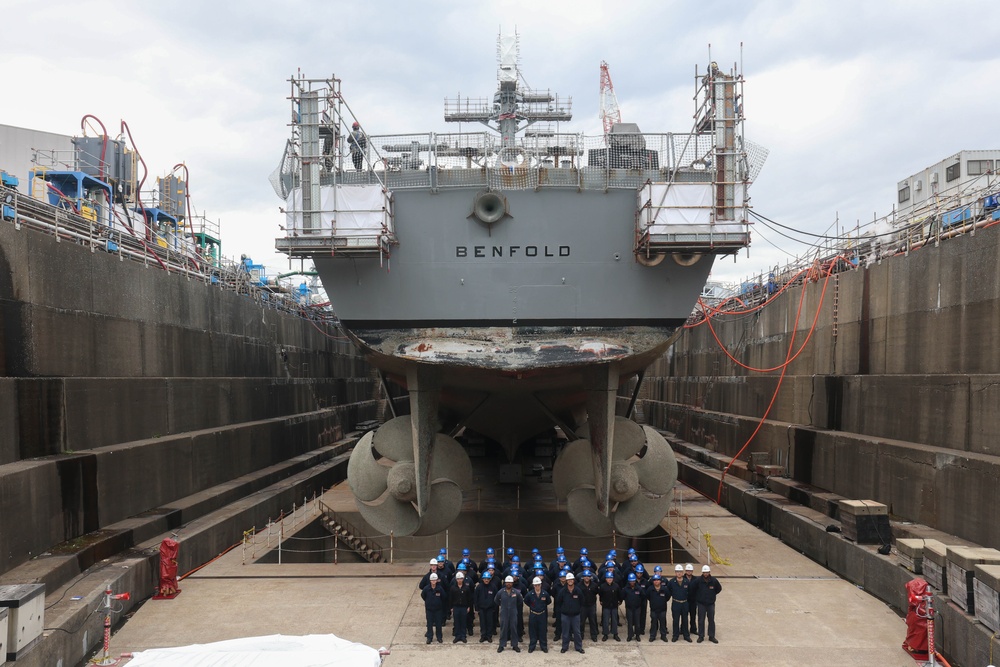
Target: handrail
x,y
367,543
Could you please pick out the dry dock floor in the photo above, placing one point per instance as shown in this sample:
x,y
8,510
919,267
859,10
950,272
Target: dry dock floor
x,y
777,608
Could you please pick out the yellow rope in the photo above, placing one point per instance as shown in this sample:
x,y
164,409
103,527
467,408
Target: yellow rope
x,y
713,554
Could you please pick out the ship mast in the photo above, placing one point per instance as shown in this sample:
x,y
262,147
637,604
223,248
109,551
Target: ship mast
x,y
515,106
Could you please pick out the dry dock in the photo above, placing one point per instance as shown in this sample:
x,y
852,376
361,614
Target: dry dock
x,y
777,608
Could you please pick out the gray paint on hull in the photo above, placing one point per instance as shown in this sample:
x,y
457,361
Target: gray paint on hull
x,y
596,280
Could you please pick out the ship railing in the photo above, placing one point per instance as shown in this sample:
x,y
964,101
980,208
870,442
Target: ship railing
x,y
537,159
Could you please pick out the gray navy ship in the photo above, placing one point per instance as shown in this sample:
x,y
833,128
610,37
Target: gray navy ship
x,y
512,280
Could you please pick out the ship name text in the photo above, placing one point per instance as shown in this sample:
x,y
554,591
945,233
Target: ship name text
x,y
512,251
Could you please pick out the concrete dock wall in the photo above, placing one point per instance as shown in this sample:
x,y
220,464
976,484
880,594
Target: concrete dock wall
x,y
893,396
125,390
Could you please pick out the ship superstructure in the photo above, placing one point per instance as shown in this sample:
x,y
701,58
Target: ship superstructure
x,y
512,280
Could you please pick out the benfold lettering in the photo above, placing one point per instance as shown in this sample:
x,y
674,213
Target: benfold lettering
x,y
512,251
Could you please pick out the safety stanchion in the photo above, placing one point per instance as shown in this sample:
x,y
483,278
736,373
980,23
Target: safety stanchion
x,y
929,603
391,546
109,596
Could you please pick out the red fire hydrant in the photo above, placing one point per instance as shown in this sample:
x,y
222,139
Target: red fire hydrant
x,y
916,618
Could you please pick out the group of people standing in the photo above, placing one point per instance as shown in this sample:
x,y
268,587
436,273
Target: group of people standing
x,y
499,591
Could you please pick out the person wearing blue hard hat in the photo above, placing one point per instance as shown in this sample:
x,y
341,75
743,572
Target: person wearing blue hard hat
x,y
490,553
485,601
634,599
588,616
609,594
657,596
642,581
558,583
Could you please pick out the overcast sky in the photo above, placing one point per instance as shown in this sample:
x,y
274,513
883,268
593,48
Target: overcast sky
x,y
848,96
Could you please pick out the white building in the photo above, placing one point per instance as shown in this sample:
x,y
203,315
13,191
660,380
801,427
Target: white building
x,y
19,145
953,182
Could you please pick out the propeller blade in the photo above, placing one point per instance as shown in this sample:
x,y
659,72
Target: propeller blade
x,y
390,516
629,439
394,439
573,468
581,506
642,513
364,474
442,509
449,460
658,467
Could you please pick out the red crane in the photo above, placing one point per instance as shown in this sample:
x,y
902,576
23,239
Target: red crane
x,y
610,113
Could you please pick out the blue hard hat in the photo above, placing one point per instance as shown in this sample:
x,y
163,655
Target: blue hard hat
x,y
657,577
631,577
487,575
640,568
613,553
515,559
538,556
583,551
586,563
515,570
610,574
534,551
510,551
609,563
631,550
461,567
491,561
657,569
562,572
560,550
466,561
440,558
489,550
539,570
587,573
633,557
465,552
561,558
442,551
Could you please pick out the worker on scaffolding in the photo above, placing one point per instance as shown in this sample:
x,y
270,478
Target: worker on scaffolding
x,y
358,143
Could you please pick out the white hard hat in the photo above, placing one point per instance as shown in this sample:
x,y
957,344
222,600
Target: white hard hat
x,y
434,577
678,568
705,568
537,581
460,575
434,561
689,567
508,580
569,576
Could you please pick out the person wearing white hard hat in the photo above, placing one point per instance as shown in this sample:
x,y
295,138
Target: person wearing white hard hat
x,y
425,580
509,601
460,599
571,605
679,593
704,591
435,601
538,600
692,607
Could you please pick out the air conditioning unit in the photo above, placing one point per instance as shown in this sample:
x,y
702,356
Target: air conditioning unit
x,y
934,177
918,185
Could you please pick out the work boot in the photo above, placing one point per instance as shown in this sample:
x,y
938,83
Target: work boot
x,y
713,640
701,639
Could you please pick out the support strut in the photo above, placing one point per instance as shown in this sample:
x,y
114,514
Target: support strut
x,y
424,385
601,383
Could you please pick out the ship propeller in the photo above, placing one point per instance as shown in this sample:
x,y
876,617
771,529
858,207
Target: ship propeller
x,y
643,473
382,475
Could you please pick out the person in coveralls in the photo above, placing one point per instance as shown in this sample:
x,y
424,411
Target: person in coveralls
x,y
508,600
571,605
358,143
916,618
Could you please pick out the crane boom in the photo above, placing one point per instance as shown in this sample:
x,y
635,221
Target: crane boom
x,y
610,113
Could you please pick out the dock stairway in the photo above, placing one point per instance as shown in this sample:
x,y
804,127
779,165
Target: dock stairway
x,y
349,535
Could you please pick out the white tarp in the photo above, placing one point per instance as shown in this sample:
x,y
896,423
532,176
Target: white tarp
x,y
345,211
271,651
677,204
